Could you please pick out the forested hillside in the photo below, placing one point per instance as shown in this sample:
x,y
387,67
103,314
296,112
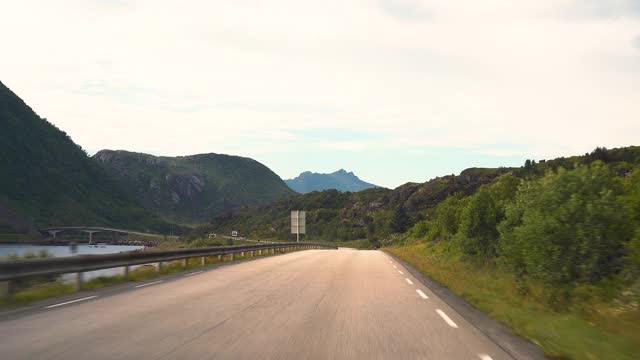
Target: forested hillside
x,y
373,213
193,189
574,219
46,179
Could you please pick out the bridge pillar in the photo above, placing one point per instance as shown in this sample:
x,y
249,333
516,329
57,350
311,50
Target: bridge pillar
x,y
90,232
53,233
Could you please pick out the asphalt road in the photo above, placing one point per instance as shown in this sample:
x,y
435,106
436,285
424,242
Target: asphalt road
x,y
314,304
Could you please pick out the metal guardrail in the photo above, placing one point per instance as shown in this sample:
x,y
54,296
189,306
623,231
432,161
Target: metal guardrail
x,y
19,269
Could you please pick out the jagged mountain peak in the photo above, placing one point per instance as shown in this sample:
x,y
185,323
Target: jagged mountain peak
x,y
341,180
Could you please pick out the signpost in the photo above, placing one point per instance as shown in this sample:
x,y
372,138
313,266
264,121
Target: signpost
x,y
298,223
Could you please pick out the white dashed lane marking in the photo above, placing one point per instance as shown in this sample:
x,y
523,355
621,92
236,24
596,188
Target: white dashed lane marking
x,y
71,302
151,283
422,295
446,318
409,281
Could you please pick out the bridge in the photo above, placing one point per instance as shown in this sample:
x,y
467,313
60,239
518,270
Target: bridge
x,y
53,231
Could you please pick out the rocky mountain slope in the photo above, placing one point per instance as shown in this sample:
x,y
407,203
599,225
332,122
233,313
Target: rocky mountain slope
x,y
193,189
46,179
340,180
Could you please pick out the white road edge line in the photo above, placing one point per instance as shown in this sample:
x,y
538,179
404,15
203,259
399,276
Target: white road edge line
x,y
401,273
151,283
484,357
422,295
71,302
446,318
193,273
409,281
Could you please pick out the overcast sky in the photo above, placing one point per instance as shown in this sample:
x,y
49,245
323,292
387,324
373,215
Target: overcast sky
x,y
395,91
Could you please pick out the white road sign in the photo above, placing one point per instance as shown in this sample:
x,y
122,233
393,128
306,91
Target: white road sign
x,y
298,222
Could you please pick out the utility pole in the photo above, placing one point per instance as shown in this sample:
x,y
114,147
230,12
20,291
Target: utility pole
x,y
297,225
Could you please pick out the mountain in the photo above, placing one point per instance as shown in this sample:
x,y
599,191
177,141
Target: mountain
x,y
193,189
339,180
46,179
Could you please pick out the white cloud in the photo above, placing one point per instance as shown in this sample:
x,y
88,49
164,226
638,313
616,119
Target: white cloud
x,y
556,77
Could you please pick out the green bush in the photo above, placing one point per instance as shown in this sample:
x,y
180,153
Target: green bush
x,y
570,226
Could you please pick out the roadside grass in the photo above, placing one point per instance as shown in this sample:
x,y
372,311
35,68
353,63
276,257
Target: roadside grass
x,y
588,329
36,293
55,288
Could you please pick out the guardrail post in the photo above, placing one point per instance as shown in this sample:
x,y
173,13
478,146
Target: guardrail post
x,y
159,266
203,260
219,257
78,284
5,289
185,261
260,252
242,254
125,273
233,256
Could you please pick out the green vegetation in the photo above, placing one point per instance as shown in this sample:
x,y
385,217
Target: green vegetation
x,y
192,189
550,251
36,293
593,328
48,180
375,214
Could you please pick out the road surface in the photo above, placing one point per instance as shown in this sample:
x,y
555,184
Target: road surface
x,y
314,304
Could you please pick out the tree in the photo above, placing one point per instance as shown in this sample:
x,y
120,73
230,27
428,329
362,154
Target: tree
x,y
478,232
400,220
569,226
371,231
